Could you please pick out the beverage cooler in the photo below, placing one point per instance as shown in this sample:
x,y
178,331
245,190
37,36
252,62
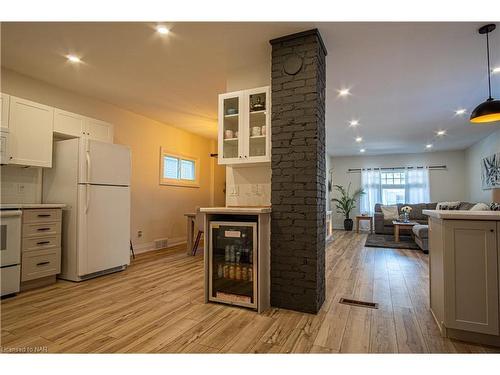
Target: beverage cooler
x,y
232,263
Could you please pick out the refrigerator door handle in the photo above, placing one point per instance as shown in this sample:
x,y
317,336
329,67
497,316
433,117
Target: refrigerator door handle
x,y
87,198
87,156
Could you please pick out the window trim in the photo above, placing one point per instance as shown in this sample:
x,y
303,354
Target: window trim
x,y
179,182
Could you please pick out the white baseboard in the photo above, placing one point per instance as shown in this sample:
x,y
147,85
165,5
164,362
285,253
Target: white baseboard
x,y
150,246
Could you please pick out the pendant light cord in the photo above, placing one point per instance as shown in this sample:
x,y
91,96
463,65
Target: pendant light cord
x,y
488,57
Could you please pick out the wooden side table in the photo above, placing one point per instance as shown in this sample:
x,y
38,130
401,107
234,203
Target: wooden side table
x,y
365,217
400,224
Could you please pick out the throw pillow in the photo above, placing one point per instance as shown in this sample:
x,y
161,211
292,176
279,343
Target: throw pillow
x,y
448,206
390,212
495,206
480,207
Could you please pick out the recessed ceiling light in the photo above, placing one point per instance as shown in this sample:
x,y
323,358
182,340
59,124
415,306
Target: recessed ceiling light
x,y
362,150
460,111
353,123
359,139
344,92
73,59
496,70
162,29
428,146
441,132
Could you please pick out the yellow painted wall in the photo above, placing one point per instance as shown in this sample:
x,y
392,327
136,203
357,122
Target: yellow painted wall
x,y
156,210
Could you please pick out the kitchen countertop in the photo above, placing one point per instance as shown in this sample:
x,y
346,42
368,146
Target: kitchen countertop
x,y
463,215
7,206
236,210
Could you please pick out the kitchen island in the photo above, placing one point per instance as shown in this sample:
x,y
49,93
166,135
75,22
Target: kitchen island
x,y
237,256
464,264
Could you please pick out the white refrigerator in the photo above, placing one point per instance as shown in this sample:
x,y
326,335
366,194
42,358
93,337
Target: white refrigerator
x,y
93,179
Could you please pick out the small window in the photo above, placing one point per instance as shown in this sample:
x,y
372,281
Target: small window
x,y
178,170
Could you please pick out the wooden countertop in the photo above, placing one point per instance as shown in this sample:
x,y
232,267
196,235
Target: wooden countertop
x,y
236,210
463,215
7,206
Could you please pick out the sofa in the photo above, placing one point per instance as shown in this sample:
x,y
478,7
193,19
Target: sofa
x,y
420,232
383,226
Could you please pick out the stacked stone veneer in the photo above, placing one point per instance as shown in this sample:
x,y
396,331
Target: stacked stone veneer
x,y
298,173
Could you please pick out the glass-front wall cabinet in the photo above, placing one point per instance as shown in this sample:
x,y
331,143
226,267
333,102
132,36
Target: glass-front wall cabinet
x,y
231,127
244,119
233,262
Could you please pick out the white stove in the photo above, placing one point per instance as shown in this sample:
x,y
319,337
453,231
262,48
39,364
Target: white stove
x,y
10,251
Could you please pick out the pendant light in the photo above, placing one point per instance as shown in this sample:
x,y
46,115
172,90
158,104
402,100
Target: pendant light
x,y
488,111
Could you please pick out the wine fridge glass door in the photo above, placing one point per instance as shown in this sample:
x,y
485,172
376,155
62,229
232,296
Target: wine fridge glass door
x,y
233,263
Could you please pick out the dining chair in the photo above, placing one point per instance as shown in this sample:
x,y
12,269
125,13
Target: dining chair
x,y
199,224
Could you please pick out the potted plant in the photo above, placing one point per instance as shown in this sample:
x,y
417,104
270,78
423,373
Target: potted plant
x,y
346,203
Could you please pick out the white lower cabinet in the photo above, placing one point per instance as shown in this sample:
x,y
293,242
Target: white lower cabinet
x,y
464,278
30,133
472,280
41,246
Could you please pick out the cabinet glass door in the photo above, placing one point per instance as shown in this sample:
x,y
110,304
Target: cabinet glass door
x,y
233,263
230,127
258,124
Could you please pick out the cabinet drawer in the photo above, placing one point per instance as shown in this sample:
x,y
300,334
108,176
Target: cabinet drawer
x,y
40,264
41,243
41,229
41,215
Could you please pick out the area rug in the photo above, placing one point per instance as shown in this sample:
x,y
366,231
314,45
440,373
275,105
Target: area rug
x,y
387,240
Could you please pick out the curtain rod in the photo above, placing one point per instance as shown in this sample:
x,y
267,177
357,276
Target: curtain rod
x,y
395,168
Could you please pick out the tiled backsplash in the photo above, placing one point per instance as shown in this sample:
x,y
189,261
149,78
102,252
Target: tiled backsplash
x,y
248,186
21,185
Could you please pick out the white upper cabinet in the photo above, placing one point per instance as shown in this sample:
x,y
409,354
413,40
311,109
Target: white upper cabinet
x,y
30,133
244,118
98,130
67,124
4,110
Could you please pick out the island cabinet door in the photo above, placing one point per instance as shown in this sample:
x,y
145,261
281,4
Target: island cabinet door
x,y
471,269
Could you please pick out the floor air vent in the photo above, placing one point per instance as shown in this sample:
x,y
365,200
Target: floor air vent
x,y
353,302
161,243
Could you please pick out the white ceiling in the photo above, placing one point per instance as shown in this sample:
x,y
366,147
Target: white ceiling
x,y
406,79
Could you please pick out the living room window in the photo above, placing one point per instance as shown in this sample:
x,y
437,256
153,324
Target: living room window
x,y
178,170
393,187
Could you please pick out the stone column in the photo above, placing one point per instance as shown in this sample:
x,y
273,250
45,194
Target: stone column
x,y
298,172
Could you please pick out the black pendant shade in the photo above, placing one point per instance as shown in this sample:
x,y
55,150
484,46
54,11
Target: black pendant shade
x,y
488,111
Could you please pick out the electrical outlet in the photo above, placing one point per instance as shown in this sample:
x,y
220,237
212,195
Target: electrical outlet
x,y
139,233
20,188
233,191
257,189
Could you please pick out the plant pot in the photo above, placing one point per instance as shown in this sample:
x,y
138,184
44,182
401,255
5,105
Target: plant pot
x,y
348,224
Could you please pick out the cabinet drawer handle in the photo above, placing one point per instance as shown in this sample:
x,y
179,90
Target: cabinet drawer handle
x,y
42,263
492,230
43,242
42,229
44,215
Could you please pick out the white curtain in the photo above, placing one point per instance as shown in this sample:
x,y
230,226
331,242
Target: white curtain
x,y
417,190
370,182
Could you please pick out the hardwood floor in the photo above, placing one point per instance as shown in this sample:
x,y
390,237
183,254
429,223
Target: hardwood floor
x,y
156,305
